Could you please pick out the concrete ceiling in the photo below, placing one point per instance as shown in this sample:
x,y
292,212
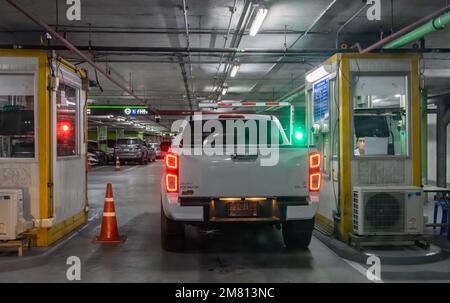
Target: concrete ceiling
x,y
157,77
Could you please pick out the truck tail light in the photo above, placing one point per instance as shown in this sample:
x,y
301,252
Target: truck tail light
x,y
171,162
171,183
314,182
315,177
314,160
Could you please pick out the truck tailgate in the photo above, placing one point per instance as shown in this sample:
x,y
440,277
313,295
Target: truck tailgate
x,y
227,176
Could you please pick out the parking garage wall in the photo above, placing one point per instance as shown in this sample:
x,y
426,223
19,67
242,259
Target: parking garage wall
x,y
432,151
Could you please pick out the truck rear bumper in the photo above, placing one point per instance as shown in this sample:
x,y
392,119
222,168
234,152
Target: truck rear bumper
x,y
199,209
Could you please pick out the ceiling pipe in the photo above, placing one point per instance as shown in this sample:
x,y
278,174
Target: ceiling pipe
x,y
235,41
347,23
79,29
288,95
206,50
404,30
314,23
243,22
276,65
188,47
233,10
74,49
434,25
185,81
76,60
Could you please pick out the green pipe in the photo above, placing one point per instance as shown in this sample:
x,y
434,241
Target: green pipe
x,y
429,27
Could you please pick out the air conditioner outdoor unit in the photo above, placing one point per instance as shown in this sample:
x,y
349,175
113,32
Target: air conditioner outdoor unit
x,y
12,222
390,210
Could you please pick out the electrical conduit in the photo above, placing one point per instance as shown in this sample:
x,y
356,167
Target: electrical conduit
x,y
433,25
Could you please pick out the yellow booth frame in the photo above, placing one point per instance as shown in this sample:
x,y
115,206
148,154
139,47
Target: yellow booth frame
x,y
46,228
343,73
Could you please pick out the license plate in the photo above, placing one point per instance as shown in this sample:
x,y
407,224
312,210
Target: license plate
x,y
126,149
242,209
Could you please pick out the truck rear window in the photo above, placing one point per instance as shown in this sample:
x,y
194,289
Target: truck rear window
x,y
241,135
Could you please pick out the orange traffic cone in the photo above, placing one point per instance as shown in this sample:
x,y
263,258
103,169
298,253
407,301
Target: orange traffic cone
x,y
109,232
117,164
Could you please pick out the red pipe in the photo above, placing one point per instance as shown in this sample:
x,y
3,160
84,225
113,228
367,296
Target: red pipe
x,y
405,30
71,47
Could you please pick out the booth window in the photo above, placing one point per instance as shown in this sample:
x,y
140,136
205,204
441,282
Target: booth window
x,y
66,120
17,116
380,116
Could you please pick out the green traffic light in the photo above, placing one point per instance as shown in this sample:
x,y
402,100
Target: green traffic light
x,y
298,135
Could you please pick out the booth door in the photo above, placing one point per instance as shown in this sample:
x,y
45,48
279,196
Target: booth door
x,y
68,149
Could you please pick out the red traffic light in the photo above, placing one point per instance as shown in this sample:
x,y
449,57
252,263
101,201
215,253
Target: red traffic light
x,y
64,129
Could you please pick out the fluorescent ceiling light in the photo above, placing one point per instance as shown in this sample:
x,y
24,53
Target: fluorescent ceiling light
x,y
234,70
224,90
316,74
258,21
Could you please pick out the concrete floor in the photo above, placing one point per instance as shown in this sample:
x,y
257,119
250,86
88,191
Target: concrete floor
x,y
256,255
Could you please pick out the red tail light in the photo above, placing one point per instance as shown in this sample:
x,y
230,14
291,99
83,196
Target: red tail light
x,y
315,177
171,176
314,182
171,183
314,160
171,161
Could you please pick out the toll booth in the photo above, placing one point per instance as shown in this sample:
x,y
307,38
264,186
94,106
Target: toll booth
x,y
363,112
42,145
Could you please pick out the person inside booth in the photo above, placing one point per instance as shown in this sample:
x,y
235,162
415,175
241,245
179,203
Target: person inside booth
x,y
360,146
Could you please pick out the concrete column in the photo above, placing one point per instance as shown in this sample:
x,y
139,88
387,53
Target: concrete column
x,y
424,134
102,136
442,120
120,133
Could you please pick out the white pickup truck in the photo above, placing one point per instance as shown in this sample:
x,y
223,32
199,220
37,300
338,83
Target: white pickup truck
x,y
202,188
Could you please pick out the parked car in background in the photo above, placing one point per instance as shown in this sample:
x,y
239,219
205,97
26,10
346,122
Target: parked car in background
x,y
92,158
165,146
94,149
150,152
131,149
157,148
110,151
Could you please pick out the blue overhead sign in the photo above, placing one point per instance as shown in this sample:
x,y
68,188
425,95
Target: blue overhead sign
x,y
118,110
320,100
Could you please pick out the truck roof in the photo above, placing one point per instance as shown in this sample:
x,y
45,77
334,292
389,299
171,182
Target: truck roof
x,y
228,116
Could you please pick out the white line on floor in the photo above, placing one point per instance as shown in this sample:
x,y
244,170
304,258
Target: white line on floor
x,y
361,269
358,267
94,214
